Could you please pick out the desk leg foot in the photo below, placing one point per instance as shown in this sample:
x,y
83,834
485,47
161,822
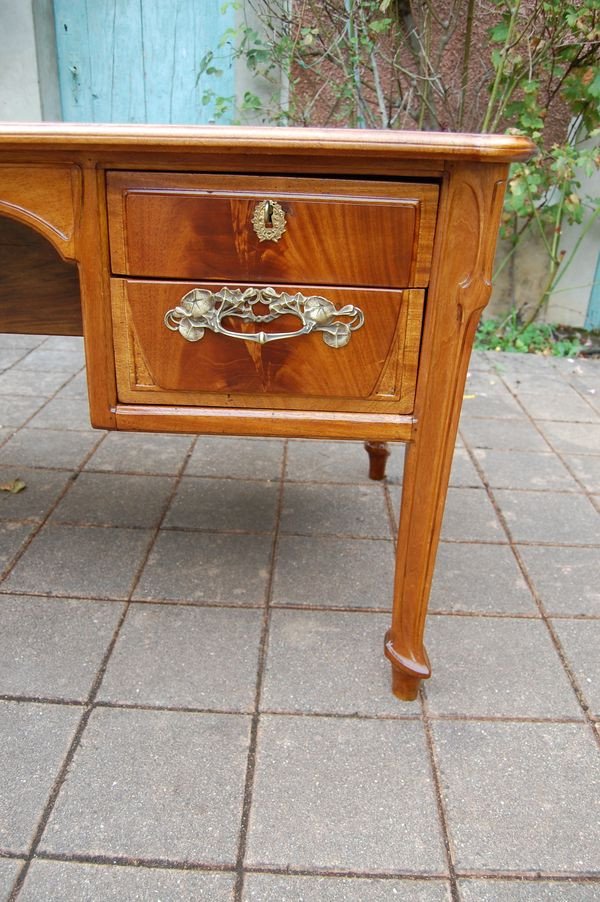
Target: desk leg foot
x,y
404,686
407,675
378,454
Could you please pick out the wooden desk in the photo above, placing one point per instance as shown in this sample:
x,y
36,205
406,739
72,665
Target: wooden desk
x,y
201,250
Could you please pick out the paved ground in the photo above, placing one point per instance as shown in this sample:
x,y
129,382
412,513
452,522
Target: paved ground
x,y
193,699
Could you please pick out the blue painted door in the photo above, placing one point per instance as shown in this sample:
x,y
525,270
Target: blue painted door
x,y
138,60
593,314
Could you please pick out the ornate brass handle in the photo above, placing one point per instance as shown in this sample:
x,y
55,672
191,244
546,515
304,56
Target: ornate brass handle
x,y
201,309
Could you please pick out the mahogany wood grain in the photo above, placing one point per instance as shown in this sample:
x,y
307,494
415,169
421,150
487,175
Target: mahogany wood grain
x,y
168,226
155,365
39,292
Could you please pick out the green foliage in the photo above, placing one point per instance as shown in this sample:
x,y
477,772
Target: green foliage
x,y
510,334
393,64
561,61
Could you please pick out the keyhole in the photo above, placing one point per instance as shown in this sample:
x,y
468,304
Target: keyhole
x,y
268,215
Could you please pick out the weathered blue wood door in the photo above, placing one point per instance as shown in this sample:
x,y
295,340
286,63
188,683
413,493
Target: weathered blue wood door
x,y
593,314
137,60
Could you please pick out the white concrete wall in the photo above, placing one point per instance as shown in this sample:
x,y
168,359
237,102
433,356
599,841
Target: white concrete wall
x,y
246,81
523,280
569,303
19,83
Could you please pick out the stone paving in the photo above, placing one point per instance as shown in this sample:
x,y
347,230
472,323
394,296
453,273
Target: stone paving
x,y
193,698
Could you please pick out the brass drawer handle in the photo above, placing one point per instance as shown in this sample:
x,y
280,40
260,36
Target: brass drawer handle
x,y
201,309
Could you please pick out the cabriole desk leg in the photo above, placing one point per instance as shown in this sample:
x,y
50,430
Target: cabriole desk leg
x,y
427,466
417,542
469,216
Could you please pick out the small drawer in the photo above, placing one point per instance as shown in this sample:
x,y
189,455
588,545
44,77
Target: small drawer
x,y
336,232
166,353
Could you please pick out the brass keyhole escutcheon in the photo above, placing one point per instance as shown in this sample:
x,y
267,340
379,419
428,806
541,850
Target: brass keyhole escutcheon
x,y
268,220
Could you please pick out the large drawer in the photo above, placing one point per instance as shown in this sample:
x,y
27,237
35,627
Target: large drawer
x,y
337,232
158,364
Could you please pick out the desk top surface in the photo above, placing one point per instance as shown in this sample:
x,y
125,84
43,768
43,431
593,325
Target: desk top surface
x,y
61,136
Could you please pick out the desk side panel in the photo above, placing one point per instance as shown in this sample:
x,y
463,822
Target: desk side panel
x,y
45,197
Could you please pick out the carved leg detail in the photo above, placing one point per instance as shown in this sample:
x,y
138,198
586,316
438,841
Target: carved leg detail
x,y
378,454
406,674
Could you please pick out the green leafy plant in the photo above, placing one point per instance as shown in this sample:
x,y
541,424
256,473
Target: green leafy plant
x,y
558,61
234,43
419,64
510,334
543,196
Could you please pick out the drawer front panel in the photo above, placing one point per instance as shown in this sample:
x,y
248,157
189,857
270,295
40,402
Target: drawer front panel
x,y
165,225
375,370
